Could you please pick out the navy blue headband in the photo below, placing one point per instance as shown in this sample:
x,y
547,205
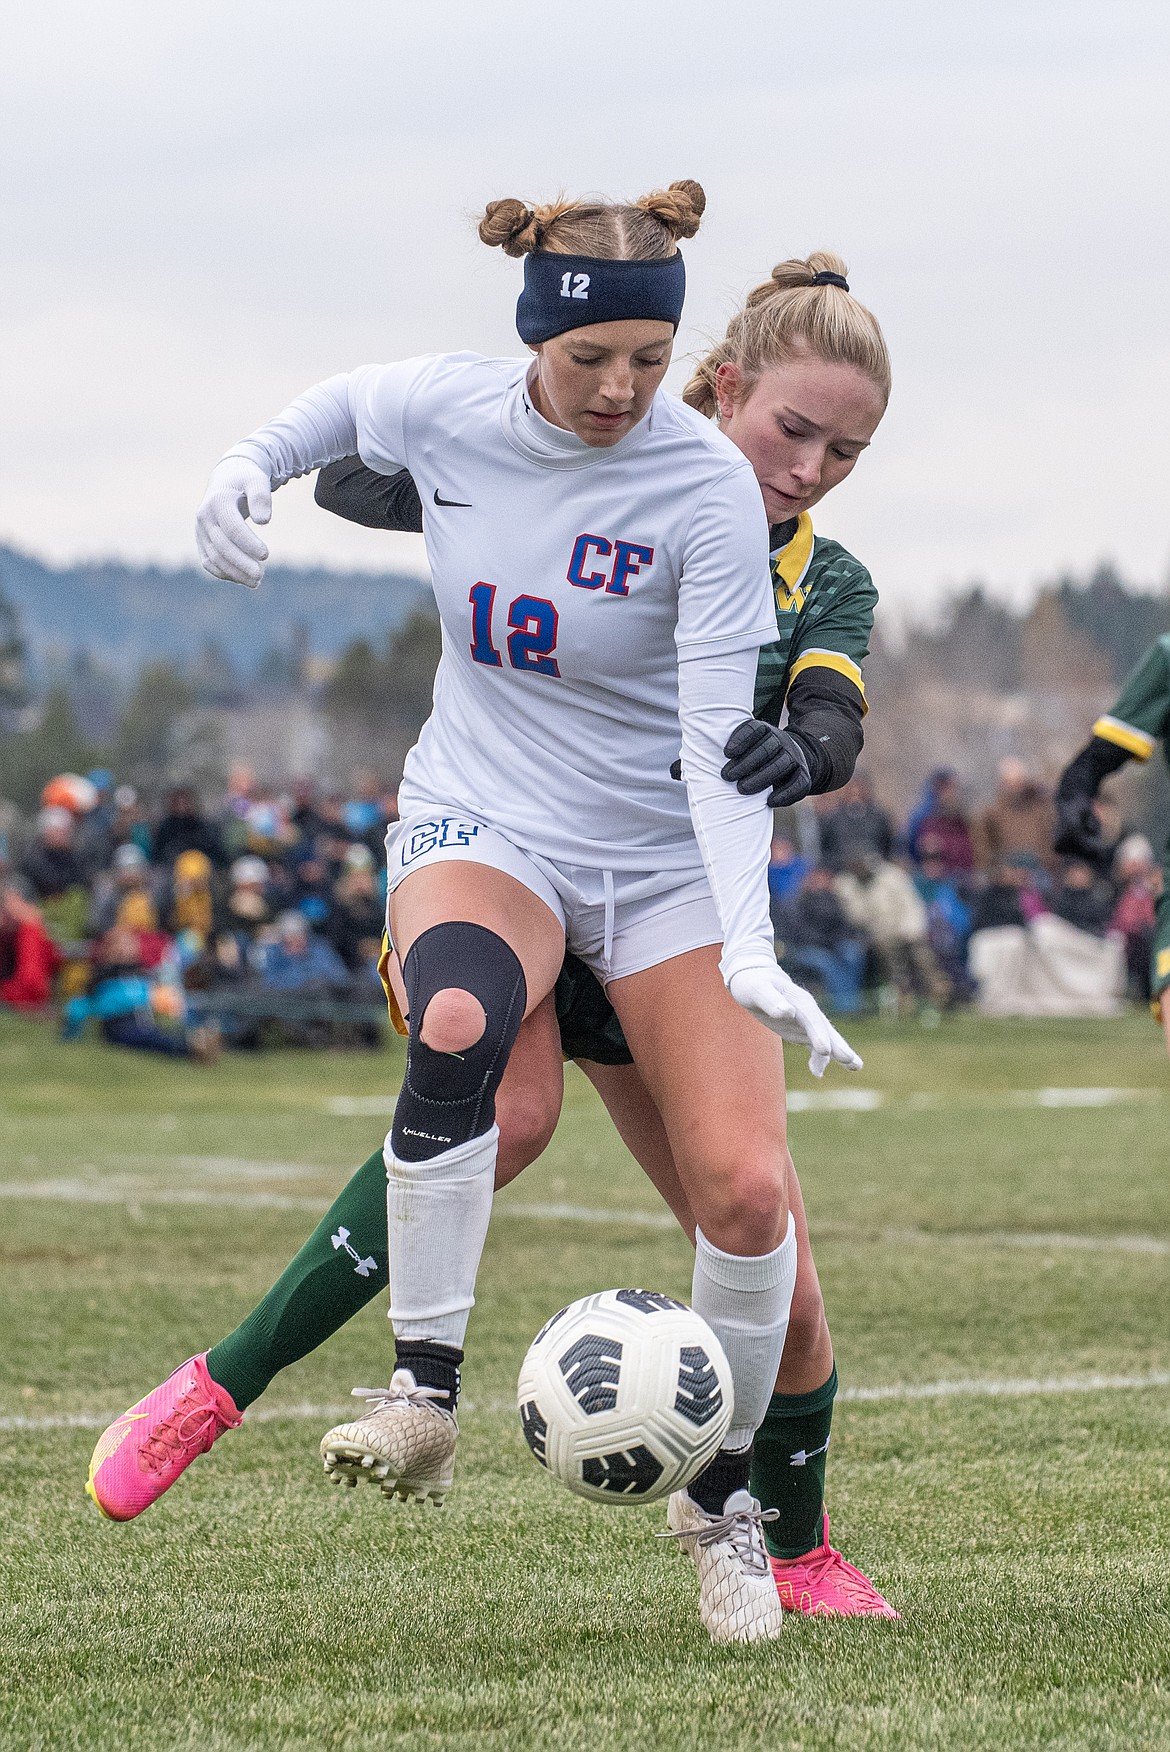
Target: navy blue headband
x,y
568,291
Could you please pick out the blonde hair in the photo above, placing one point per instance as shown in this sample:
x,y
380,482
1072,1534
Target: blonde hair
x,y
788,314
647,230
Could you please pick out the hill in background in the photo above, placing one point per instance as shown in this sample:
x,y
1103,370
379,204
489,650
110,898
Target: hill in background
x,y
123,616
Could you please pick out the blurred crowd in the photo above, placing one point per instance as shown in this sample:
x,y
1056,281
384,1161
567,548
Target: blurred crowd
x,y
187,928
958,905
184,929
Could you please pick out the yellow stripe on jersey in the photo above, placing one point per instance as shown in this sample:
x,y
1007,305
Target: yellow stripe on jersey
x,y
845,666
391,1001
1135,742
790,565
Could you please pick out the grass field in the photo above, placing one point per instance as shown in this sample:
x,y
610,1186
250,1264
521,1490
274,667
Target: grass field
x,y
998,1259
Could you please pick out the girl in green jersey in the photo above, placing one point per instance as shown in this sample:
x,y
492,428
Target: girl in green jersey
x,y
799,382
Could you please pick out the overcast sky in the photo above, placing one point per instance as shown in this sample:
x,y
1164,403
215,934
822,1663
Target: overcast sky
x,y
205,209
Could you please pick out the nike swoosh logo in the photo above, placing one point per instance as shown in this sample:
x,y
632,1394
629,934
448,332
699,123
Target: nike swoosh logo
x,y
460,504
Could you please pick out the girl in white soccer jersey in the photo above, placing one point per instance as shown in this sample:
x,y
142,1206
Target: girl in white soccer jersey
x,y
800,382
596,555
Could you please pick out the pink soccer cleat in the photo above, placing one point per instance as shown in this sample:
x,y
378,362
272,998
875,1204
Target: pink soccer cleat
x,y
823,1585
144,1451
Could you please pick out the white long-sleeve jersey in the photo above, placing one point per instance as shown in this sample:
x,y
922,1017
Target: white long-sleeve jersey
x,y
598,605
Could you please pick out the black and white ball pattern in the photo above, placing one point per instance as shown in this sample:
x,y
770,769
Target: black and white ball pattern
x,y
625,1395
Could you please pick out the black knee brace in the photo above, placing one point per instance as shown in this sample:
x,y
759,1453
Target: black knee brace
x,y
449,1098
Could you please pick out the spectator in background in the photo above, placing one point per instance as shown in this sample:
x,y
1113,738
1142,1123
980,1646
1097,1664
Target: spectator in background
x,y
1020,821
1139,881
306,816
56,875
51,865
28,956
939,821
1011,896
129,826
192,905
248,912
269,832
298,960
357,919
311,890
366,813
184,828
95,830
1082,897
137,1007
786,871
123,895
881,900
238,797
817,941
948,916
856,829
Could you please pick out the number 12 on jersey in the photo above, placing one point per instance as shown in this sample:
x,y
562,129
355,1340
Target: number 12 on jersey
x,y
531,642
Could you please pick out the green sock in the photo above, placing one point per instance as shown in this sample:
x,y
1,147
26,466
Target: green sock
x,y
788,1467
341,1267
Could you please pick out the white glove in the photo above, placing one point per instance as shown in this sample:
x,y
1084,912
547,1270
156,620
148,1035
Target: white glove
x,y
788,1010
238,489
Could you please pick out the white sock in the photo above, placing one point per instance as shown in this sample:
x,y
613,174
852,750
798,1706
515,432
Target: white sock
x,y
745,1300
437,1221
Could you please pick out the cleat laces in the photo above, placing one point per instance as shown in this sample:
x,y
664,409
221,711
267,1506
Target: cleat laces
x,y
741,1530
396,1395
188,1426
846,1576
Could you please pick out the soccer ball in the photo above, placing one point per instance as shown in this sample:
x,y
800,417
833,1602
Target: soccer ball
x,y
625,1395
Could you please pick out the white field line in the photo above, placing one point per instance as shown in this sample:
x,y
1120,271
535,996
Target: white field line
x,y
119,1193
926,1390
854,1100
359,1106
95,1192
223,1167
1024,1389
1039,1241
567,1213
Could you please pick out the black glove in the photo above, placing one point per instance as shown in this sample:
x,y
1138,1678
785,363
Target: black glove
x,y
1078,831
759,756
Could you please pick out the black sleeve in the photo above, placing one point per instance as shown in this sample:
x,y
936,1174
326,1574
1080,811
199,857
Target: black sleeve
x,y
1087,771
825,711
351,490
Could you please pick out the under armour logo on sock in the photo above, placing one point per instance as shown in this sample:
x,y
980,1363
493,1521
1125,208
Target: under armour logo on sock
x,y
364,1266
803,1456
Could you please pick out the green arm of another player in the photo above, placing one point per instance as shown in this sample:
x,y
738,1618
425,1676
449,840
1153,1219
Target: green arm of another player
x,y
816,752
1130,731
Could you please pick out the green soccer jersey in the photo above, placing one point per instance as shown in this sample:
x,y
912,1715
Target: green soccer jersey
x,y
1140,719
1137,722
824,616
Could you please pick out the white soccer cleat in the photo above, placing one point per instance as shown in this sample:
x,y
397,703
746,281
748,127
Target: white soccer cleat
x,y
402,1442
738,1601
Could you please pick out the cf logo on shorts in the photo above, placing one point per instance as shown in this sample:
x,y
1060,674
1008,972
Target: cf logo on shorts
x,y
429,836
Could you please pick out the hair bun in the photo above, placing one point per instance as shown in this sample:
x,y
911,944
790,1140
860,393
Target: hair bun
x,y
790,275
679,208
511,226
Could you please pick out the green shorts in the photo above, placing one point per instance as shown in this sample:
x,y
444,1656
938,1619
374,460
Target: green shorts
x,y
589,1027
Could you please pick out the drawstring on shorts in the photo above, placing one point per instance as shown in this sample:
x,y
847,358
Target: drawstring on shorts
x,y
607,948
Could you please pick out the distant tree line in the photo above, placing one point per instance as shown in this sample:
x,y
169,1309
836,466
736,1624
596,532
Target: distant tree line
x,y
1081,634
164,725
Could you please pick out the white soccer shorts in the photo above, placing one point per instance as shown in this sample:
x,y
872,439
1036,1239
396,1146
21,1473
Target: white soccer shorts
x,y
617,921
